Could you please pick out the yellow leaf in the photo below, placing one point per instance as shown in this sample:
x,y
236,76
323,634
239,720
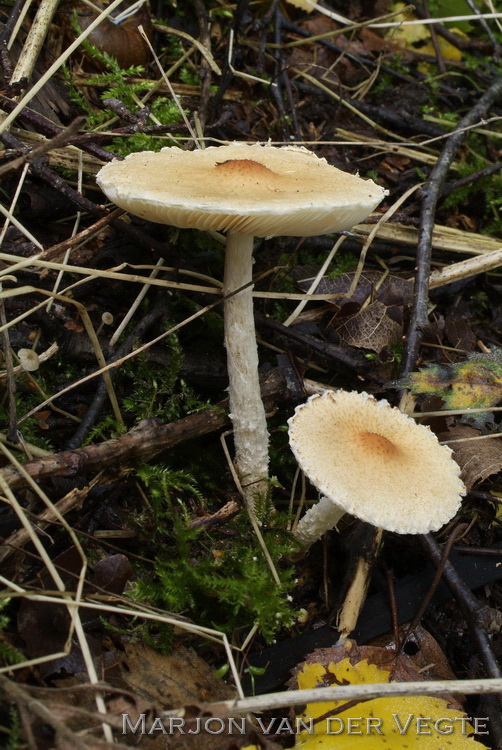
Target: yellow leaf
x,y
304,5
406,36
417,38
474,384
448,51
393,723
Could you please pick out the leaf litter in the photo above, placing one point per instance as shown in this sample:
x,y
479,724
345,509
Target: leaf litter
x,y
388,108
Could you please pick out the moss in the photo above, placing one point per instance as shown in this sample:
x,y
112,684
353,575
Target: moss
x,y
221,580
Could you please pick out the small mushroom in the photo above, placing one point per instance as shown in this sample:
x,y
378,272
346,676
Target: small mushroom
x,y
248,191
28,359
371,460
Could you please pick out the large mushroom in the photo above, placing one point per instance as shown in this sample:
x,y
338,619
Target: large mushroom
x,y
371,460
248,191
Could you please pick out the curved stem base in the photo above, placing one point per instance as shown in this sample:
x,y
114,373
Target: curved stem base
x,y
322,517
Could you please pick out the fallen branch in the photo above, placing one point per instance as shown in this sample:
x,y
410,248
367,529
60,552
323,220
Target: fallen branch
x,y
145,441
430,192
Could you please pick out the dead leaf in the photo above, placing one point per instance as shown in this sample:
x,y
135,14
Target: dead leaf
x,y
458,328
400,667
370,328
42,418
72,325
180,678
353,665
173,679
380,323
44,627
373,42
474,384
422,650
391,290
418,38
478,459
112,573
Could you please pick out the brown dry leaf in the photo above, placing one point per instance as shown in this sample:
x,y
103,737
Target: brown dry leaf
x,y
74,326
173,679
391,290
401,667
319,61
180,678
373,42
478,459
44,627
315,59
422,650
42,418
458,328
370,328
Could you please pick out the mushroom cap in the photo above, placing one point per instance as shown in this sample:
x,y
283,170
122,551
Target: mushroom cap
x,y
262,191
28,359
375,462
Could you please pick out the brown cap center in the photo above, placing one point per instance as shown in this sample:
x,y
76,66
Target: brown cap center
x,y
378,445
243,168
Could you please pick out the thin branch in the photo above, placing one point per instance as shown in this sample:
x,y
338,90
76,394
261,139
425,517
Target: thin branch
x,y
429,201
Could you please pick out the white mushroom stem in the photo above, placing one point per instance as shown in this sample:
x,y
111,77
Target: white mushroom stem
x,y
320,518
246,406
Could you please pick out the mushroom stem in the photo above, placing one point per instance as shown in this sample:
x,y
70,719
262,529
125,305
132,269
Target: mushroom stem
x,y
246,406
322,517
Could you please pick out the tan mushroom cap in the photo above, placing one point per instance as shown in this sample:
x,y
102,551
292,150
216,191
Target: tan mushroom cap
x,y
375,462
28,359
262,191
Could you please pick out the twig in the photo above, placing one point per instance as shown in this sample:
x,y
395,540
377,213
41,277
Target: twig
x,y
455,39
461,528
148,439
83,236
466,269
324,348
477,616
12,435
435,43
463,181
205,67
35,39
100,396
83,203
367,691
43,126
486,26
73,500
14,692
430,197
227,73
29,705
5,36
61,139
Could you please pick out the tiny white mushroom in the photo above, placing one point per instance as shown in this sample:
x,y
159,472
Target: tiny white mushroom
x,y
29,360
374,462
248,191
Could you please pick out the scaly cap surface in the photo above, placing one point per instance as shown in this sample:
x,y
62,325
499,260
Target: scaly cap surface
x,y
262,191
375,462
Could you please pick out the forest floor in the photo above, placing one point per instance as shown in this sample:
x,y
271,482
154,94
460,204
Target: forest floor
x,y
133,581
